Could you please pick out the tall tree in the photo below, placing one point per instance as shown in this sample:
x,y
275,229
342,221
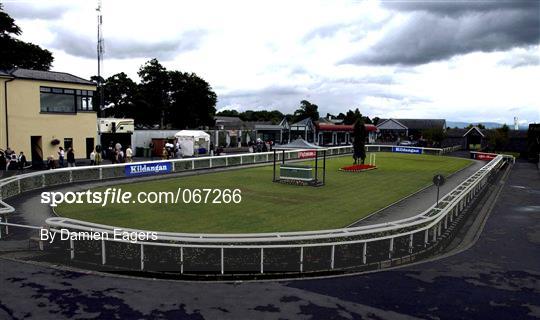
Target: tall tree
x,y
307,109
434,135
352,116
155,89
498,139
193,103
359,141
228,113
120,97
274,116
15,53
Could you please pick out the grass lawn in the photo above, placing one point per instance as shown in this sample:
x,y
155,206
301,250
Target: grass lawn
x,y
270,207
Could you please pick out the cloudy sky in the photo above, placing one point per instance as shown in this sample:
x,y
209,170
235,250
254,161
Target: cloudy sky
x,y
461,61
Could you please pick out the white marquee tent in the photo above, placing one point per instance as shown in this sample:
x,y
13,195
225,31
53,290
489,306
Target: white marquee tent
x,y
193,140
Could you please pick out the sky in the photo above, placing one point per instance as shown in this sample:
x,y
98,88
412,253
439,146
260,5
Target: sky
x,y
465,61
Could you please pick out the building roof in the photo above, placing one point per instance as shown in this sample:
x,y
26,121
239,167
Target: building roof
x,y
297,144
275,127
475,129
20,73
227,119
455,133
418,124
343,127
307,122
284,123
5,74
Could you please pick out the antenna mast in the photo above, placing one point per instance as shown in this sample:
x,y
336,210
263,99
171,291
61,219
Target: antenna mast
x,y
99,54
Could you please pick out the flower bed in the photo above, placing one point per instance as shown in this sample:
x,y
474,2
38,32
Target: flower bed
x,y
358,168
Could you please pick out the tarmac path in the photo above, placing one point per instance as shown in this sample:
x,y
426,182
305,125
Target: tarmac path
x,y
497,278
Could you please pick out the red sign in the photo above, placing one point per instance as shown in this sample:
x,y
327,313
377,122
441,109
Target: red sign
x,y
306,154
485,156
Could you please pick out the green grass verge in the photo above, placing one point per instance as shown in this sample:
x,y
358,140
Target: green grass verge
x,y
270,207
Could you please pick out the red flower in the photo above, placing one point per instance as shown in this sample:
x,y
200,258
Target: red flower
x,y
358,167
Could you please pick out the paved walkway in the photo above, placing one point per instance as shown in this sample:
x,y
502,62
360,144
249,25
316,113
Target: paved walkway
x,y
420,201
498,278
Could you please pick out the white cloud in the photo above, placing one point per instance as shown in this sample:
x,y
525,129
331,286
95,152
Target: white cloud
x,y
274,54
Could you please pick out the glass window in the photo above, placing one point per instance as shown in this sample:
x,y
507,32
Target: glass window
x,y
51,102
84,103
65,100
68,143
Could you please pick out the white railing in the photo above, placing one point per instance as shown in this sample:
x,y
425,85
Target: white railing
x,y
429,223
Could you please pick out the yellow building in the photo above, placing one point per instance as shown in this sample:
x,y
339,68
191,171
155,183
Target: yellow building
x,y
43,110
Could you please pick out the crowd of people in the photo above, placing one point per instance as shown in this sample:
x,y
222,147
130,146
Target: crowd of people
x,y
10,160
260,146
170,151
64,157
115,152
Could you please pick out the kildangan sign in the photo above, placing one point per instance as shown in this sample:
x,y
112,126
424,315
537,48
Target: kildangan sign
x,y
148,169
307,154
407,150
483,156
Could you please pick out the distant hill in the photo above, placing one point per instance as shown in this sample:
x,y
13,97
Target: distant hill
x,y
488,125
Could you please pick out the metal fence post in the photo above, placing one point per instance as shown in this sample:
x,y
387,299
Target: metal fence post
x,y
71,249
332,257
411,242
181,260
222,262
391,249
364,253
210,163
426,237
301,259
142,257
192,164
434,233
262,260
100,173
103,253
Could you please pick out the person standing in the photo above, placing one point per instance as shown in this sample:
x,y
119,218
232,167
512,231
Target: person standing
x,y
21,161
93,157
71,158
151,147
98,158
50,163
2,161
129,154
61,155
